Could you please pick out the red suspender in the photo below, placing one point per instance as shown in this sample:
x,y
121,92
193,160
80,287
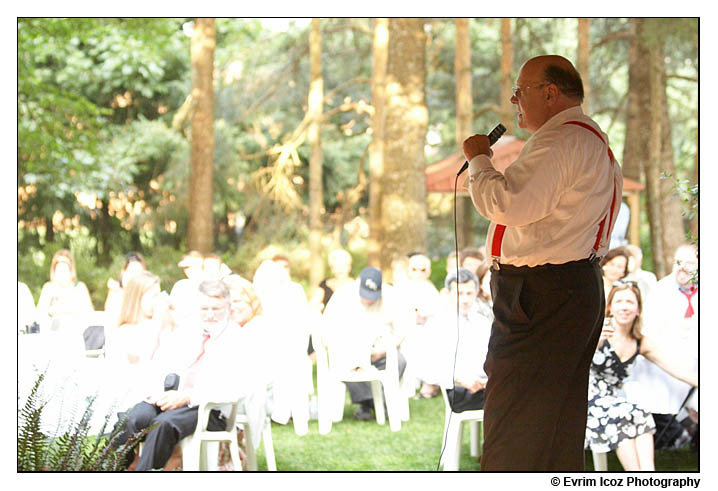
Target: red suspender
x,y
500,229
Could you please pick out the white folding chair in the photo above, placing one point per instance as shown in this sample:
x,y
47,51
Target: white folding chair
x,y
266,438
197,448
453,432
331,388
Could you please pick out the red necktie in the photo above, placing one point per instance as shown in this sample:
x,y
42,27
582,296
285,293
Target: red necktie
x,y
205,337
692,291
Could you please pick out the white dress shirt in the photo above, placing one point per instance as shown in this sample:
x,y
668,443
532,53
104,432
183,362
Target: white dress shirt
x,y
463,360
553,197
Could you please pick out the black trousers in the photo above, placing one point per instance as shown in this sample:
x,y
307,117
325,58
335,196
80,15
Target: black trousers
x,y
547,321
460,399
172,426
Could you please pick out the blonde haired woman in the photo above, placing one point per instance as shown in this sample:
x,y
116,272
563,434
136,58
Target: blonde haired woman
x,y
613,422
139,320
245,304
63,296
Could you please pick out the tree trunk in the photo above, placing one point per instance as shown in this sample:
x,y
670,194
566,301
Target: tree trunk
x,y
376,148
199,234
653,164
584,50
694,220
507,77
464,118
404,186
49,230
635,150
674,233
315,107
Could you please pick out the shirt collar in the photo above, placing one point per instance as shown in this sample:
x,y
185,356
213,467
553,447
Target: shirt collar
x,y
556,120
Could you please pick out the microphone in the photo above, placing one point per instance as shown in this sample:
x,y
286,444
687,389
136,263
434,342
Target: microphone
x,y
494,136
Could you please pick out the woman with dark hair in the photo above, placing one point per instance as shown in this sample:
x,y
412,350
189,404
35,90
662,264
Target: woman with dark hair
x,y
614,266
614,423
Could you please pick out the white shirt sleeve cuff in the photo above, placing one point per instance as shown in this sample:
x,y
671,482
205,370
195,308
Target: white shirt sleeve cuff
x,y
479,163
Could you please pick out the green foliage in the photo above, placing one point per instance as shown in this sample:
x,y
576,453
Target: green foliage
x,y
98,98
73,450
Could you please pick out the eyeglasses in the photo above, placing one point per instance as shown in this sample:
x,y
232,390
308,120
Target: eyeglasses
x,y
624,282
516,91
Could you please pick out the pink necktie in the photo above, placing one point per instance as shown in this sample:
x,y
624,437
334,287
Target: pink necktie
x,y
205,337
689,294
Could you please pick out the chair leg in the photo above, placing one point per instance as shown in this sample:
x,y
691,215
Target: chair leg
x,y
269,447
190,457
234,452
249,445
212,456
378,402
394,401
452,451
338,394
300,413
600,462
474,435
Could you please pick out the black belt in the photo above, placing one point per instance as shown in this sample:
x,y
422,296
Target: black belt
x,y
569,266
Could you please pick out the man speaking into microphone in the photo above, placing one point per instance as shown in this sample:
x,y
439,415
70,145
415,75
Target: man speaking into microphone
x,y
552,212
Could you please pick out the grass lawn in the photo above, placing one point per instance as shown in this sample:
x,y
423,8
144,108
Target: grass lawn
x,y
366,446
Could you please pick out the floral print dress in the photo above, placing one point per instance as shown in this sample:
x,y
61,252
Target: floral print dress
x,y
611,418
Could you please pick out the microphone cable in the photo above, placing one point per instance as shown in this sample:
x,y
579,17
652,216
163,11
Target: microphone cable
x,y
456,349
494,136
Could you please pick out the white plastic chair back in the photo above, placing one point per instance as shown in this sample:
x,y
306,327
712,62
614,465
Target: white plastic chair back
x,y
453,432
197,447
331,391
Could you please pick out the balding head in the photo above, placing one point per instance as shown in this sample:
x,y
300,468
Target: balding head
x,y
558,70
546,86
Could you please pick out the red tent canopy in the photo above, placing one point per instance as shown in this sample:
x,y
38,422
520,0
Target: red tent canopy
x,y
441,175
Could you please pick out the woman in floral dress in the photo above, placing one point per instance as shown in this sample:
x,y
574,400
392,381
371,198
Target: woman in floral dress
x,y
613,422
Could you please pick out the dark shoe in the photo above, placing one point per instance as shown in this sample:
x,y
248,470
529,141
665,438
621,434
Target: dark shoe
x,y
364,412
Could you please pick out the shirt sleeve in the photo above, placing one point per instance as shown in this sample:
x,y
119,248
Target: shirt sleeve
x,y
528,191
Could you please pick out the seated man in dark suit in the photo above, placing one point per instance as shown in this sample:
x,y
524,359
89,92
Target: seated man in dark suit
x,y
174,411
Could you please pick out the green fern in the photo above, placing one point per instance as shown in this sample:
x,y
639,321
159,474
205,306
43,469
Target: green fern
x,y
31,442
75,449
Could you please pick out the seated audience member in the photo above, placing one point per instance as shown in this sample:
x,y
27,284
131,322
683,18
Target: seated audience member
x,y
671,316
25,308
132,341
246,313
459,366
213,268
360,321
340,266
399,270
422,298
470,258
645,279
192,265
63,297
286,317
614,266
134,263
618,235
613,422
212,375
